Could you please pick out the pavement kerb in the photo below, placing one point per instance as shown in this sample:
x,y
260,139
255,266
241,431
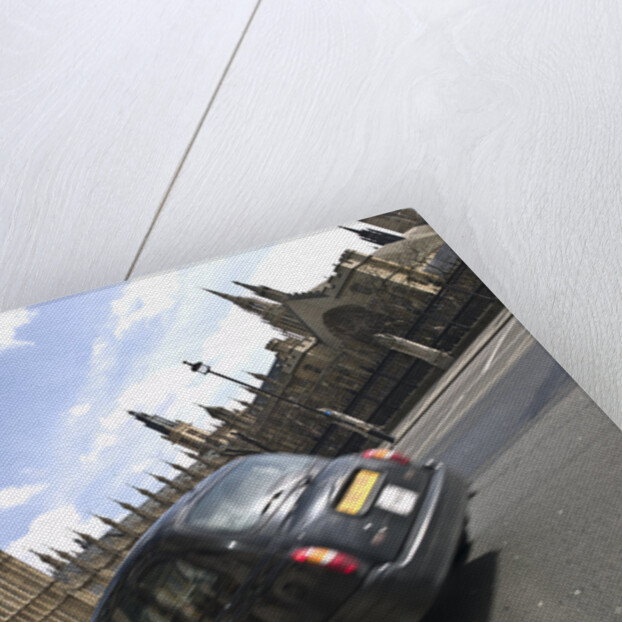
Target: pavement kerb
x,y
452,374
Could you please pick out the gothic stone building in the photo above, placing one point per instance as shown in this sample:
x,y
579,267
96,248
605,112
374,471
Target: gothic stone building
x,y
329,355
71,593
373,333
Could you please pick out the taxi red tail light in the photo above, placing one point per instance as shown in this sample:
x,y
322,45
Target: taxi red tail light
x,y
386,454
328,558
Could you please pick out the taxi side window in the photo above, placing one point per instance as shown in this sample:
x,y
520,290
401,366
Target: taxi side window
x,y
175,590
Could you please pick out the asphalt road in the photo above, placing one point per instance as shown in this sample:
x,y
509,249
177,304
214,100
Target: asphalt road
x,y
546,522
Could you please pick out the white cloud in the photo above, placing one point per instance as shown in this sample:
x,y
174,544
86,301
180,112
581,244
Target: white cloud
x,y
144,299
152,392
142,466
184,460
157,382
54,529
14,496
237,338
158,387
10,321
79,410
171,392
102,441
102,357
114,420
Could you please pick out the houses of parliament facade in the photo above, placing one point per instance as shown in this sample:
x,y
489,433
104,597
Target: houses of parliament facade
x,y
366,342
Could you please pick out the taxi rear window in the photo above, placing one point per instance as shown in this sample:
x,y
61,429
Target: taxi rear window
x,y
238,500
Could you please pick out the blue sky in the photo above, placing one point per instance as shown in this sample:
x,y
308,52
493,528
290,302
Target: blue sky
x,y
70,368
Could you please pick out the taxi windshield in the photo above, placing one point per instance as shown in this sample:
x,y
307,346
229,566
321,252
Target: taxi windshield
x,y
239,500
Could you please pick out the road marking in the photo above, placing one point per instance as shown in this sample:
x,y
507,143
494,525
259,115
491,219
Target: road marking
x,y
494,352
449,420
454,373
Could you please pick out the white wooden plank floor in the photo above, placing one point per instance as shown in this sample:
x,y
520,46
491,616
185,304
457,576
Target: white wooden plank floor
x,y
98,103
499,122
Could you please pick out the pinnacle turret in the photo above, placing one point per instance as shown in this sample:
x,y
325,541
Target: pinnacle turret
x,y
155,496
49,560
172,483
217,412
77,561
265,292
183,469
128,531
154,422
245,403
274,313
380,238
254,305
261,377
145,514
98,542
255,390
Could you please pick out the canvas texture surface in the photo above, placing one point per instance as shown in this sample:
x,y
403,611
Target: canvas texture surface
x,y
125,408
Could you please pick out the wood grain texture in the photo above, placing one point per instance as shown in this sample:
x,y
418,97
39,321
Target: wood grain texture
x,y
499,121
98,103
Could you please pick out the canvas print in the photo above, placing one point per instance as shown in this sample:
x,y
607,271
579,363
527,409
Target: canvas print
x,y
347,426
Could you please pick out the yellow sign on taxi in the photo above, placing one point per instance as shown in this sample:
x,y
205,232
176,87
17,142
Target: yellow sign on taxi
x,y
358,491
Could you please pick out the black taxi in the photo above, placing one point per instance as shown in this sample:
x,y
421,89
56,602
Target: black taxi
x,y
280,537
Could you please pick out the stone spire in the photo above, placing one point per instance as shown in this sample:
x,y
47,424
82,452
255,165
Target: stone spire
x,y
183,469
98,542
380,238
265,292
277,315
154,422
128,531
172,483
161,499
176,432
49,560
217,412
77,562
85,566
144,514
261,377
253,305
245,404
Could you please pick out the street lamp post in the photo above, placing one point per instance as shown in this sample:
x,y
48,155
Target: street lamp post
x,y
341,419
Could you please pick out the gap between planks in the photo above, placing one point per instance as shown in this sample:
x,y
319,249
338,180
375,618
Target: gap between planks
x,y
184,156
